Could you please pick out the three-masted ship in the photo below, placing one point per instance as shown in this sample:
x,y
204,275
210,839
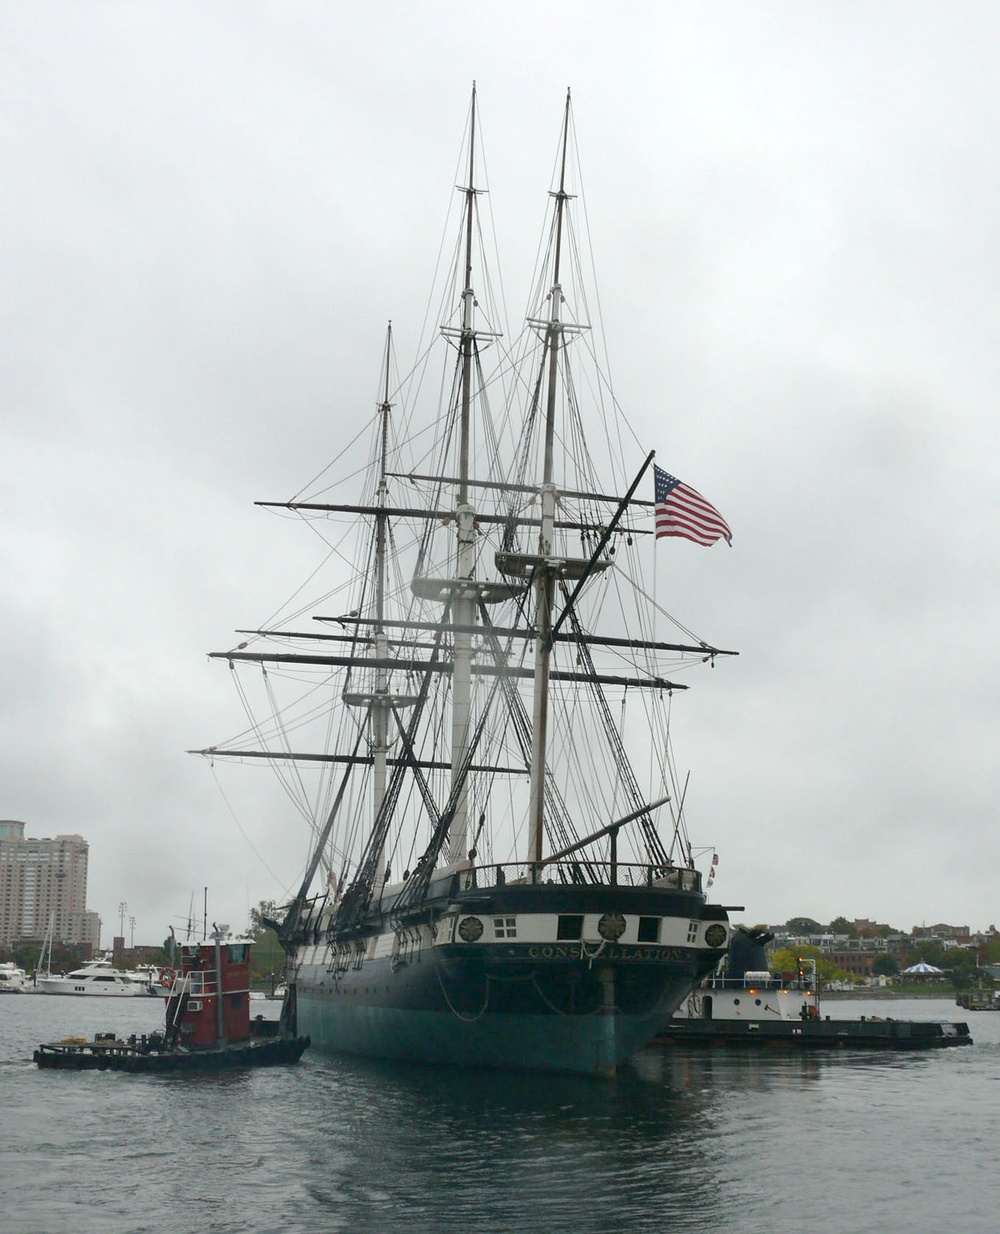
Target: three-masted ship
x,y
489,883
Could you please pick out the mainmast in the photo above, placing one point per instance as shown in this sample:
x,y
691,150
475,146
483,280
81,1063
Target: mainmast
x,y
544,578
464,600
381,702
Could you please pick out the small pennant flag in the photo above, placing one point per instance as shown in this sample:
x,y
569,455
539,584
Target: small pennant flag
x,y
682,511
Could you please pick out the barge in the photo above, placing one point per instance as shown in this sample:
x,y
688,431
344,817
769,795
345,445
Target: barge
x,y
747,1005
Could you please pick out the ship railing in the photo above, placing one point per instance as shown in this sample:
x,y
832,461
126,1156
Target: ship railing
x,y
196,984
581,872
771,982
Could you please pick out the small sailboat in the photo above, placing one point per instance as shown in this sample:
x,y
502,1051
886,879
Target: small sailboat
x,y
489,883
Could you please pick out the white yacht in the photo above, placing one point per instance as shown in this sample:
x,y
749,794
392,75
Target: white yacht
x,y
13,980
97,977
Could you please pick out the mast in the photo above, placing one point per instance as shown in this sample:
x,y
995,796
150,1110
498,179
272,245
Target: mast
x,y
464,604
544,581
380,701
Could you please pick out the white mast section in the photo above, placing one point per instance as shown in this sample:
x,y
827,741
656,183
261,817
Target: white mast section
x,y
464,612
544,581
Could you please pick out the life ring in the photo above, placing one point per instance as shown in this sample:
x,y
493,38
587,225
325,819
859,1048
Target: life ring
x,y
167,978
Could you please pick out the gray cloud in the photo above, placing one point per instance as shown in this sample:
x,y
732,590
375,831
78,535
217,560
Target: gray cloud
x,y
209,213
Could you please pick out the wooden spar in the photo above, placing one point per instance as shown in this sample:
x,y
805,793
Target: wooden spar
x,y
424,666
444,516
295,912
610,829
498,486
593,640
600,547
353,760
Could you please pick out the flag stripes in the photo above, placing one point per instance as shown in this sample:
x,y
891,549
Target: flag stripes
x,y
682,511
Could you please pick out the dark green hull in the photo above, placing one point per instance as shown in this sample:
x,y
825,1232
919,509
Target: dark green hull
x,y
486,977
589,1045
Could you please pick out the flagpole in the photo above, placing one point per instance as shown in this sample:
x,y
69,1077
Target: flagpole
x,y
654,762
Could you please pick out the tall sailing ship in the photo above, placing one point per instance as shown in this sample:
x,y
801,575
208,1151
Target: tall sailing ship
x,y
489,883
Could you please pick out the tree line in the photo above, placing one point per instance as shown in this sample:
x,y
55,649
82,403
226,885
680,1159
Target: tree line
x,y
962,966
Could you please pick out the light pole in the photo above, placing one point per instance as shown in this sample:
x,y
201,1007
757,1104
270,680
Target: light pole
x,y
131,924
122,910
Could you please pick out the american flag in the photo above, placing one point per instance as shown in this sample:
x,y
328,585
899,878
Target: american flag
x,y
681,511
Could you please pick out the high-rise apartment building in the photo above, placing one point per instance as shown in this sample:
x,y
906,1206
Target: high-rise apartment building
x,y
43,880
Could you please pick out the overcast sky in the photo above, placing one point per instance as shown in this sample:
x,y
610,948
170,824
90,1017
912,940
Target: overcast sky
x,y
208,212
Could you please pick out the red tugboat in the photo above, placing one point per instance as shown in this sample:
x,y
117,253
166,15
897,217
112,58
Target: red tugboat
x,y
207,1027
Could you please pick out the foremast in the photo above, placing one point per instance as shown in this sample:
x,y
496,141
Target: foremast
x,y
544,575
465,552
381,701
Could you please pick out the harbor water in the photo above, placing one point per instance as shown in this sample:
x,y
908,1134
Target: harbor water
x,y
687,1139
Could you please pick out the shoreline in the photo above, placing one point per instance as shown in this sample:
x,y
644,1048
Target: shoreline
x,y
885,993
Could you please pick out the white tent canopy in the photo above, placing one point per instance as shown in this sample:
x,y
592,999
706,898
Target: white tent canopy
x,y
923,967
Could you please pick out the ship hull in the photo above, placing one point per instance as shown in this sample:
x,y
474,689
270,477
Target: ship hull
x,y
596,1043
529,1002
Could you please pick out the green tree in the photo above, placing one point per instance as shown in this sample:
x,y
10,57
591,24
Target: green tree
x,y
840,925
265,912
991,952
64,959
928,951
786,960
267,959
885,966
803,925
961,965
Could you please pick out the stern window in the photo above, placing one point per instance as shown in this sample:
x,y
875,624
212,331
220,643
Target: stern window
x,y
649,929
505,927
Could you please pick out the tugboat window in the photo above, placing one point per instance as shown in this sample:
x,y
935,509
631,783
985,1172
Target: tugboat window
x,y
569,927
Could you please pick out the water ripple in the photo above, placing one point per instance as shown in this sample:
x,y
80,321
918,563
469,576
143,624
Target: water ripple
x,y
684,1141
